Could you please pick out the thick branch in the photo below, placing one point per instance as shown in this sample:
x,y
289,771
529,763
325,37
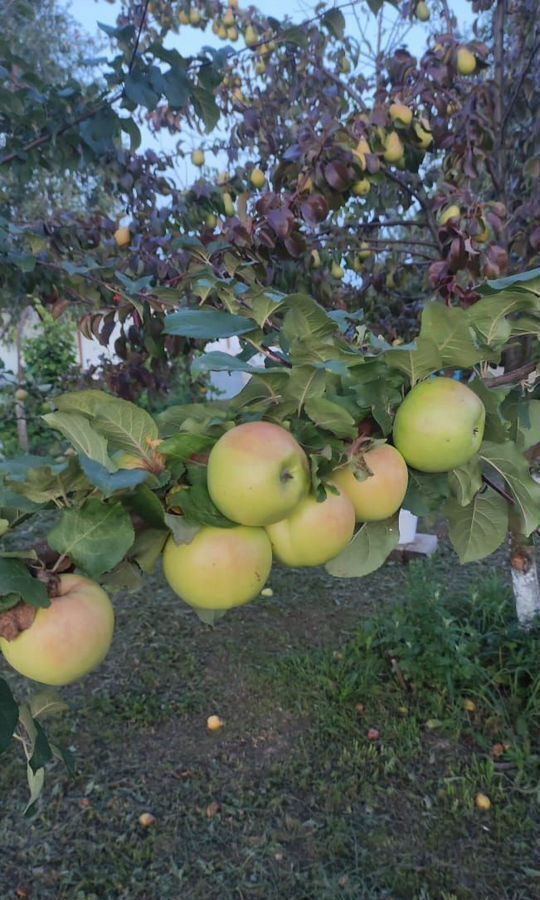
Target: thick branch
x,y
513,377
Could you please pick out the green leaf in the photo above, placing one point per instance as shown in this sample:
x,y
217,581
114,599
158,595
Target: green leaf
x,y
124,577
182,446
127,427
87,402
42,753
218,361
147,547
418,363
426,492
368,550
490,316
35,785
496,428
331,416
265,304
16,579
4,526
44,484
109,482
449,329
478,529
512,466
305,320
466,481
82,435
196,504
138,88
209,616
206,324
46,704
96,536
182,529
525,280
206,107
146,504
9,715
304,383
334,20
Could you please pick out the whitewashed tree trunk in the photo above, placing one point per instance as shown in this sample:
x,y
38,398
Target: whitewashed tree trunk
x,y
525,582
20,413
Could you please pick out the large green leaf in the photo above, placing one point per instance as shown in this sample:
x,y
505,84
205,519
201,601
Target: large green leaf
x,y
466,481
96,536
206,324
127,427
449,329
82,435
16,579
87,402
490,316
109,482
183,445
426,492
511,465
331,416
218,361
423,360
368,550
478,529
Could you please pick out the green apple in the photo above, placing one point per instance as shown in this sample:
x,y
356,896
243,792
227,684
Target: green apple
x,y
381,494
439,425
68,639
315,532
220,568
257,473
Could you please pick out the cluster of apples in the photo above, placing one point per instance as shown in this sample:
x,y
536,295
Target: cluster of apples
x,y
259,477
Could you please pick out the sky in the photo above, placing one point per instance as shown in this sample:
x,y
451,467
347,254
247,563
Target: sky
x,y
190,40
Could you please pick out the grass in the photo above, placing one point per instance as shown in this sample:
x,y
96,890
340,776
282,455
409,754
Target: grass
x,y
292,799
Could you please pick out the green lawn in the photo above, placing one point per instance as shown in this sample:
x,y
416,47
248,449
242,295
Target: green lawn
x,y
292,800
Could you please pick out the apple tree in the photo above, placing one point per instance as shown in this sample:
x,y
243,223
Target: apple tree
x,y
357,247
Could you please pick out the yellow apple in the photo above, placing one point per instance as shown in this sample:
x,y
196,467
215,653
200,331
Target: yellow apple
x,y
257,473
393,148
401,113
220,568
122,237
361,188
450,214
315,532
439,425
466,61
68,639
422,12
197,158
381,494
257,178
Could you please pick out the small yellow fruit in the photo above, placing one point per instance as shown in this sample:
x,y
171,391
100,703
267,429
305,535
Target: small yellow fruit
x,y
183,17
232,34
147,820
228,205
362,148
222,32
483,235
466,61
315,259
450,214
122,237
361,188
194,16
214,723
306,184
267,592
345,65
365,251
211,220
233,4
223,178
228,18
238,95
21,395
250,36
215,26
469,706
336,270
197,158
401,113
424,137
393,148
260,67
422,12
482,801
257,178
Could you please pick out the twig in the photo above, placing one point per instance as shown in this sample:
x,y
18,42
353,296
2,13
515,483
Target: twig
x,y
497,489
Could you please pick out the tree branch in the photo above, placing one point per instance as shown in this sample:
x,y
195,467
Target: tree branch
x,y
513,377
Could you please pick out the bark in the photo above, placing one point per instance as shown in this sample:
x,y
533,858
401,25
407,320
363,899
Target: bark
x,y
525,581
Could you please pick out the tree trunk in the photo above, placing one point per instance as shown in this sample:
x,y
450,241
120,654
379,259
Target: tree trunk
x,y
524,580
